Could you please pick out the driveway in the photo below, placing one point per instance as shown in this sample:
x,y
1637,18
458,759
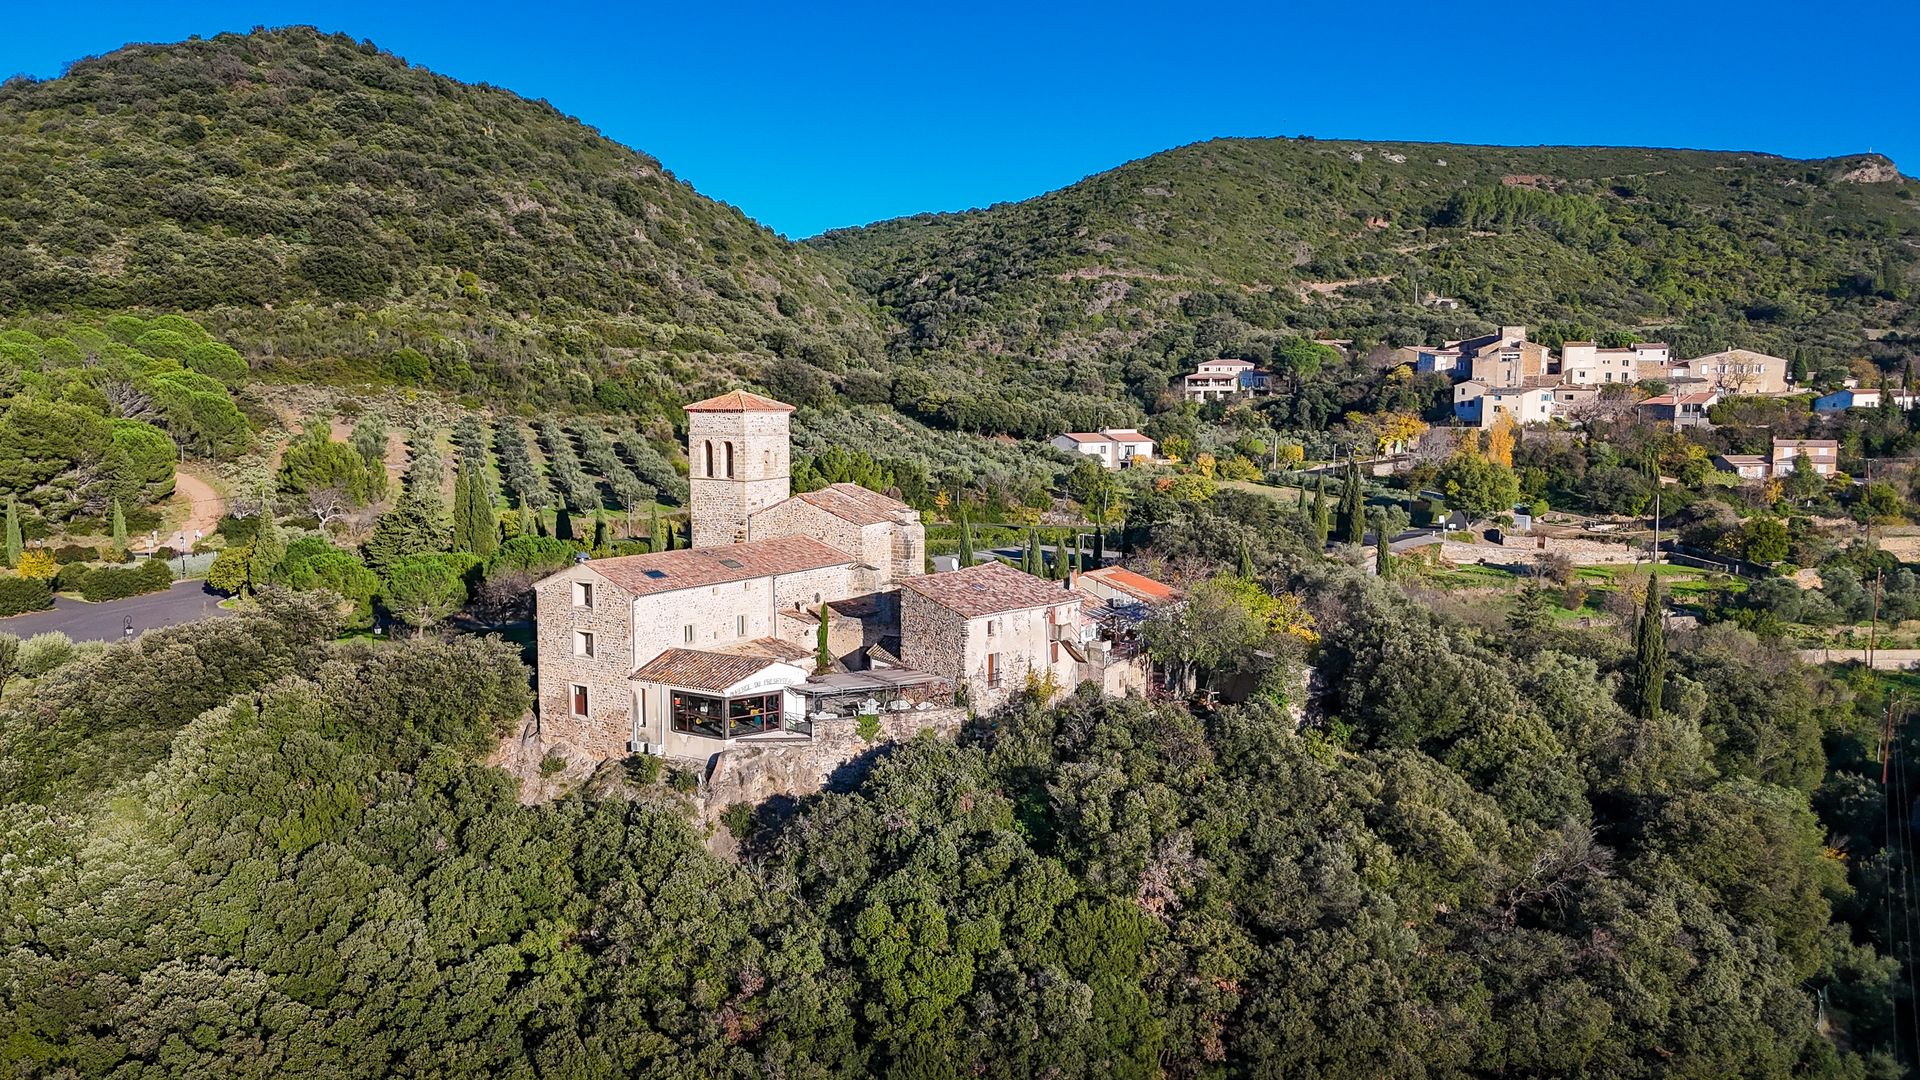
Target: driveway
x,y
187,601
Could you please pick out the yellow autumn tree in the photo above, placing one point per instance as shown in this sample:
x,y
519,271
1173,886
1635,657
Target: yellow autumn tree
x,y
1500,440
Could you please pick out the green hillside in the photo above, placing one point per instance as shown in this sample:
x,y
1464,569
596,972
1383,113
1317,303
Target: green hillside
x,y
324,206
1111,287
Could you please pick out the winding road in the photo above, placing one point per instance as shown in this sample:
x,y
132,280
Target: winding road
x,y
187,601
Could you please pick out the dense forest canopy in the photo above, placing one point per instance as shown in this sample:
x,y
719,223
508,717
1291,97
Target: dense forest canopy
x,y
334,211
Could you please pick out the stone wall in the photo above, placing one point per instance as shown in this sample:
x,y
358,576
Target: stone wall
x,y
941,642
1521,550
609,701
723,504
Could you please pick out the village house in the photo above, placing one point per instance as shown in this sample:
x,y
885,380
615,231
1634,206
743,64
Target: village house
x,y
1682,409
1585,363
1822,455
1217,380
1504,360
684,653
1114,448
1480,405
1734,371
1745,466
989,628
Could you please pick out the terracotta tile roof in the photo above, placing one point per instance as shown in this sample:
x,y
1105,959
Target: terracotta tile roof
x,y
851,502
739,401
666,571
1128,435
988,589
1807,444
772,648
1087,436
1699,397
1227,361
1744,459
698,670
1138,586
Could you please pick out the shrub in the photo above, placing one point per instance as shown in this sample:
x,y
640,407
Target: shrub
x,y
867,726
165,552
38,564
553,764
42,653
74,553
739,819
99,583
682,780
20,594
643,770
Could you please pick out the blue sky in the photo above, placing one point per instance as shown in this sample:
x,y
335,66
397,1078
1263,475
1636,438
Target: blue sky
x,y
810,116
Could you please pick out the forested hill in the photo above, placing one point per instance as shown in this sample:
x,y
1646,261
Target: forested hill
x,y
324,205
1119,281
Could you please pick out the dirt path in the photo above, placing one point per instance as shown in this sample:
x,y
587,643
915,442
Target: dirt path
x,y
205,507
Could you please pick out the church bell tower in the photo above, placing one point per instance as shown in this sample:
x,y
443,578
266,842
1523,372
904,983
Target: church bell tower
x,y
737,455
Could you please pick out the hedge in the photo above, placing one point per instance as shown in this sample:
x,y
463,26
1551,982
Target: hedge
x,y
111,583
18,594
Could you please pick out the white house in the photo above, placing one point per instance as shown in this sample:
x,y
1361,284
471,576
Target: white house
x,y
1216,380
1113,447
1480,405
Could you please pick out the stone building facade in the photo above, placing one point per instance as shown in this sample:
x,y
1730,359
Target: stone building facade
x,y
989,628
738,462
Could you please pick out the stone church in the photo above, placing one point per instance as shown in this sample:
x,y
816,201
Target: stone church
x,y
683,653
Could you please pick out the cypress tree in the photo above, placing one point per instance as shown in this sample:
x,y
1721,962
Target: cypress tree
x,y
822,654
600,532
269,547
1382,551
1353,509
562,523
119,528
486,531
1322,527
653,531
462,510
1099,547
1649,654
14,543
966,544
1030,558
1246,562
1057,569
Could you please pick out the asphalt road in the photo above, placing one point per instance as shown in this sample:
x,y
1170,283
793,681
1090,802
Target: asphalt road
x,y
187,601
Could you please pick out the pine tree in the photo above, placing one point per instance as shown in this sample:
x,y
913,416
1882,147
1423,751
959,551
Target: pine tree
x,y
1649,655
822,652
119,530
14,542
1353,509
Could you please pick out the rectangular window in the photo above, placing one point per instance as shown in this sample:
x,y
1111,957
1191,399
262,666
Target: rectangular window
x,y
582,643
579,700
753,715
697,714
689,633
993,627
993,669
740,626
583,594
1054,651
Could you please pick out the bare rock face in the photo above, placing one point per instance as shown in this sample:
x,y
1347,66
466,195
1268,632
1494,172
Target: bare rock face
x,y
1875,170
836,758
547,768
